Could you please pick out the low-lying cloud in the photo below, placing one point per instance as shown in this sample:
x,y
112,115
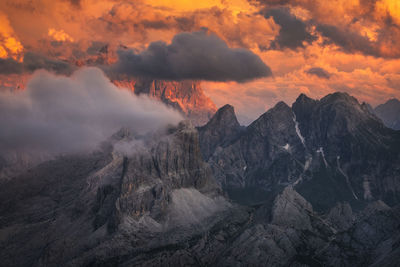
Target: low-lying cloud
x,y
194,56
58,114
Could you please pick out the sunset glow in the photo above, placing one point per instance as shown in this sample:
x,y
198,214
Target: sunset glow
x,y
355,43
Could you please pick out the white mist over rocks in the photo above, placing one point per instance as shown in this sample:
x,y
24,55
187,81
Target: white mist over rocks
x,y
59,114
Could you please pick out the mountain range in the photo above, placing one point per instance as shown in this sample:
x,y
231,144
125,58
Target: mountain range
x,y
314,184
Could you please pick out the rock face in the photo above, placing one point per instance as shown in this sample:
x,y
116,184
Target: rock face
x,y
61,210
358,152
331,150
318,180
221,130
185,96
389,113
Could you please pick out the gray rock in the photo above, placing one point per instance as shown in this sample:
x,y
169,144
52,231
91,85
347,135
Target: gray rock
x,y
389,113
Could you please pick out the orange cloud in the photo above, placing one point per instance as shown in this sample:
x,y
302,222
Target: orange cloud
x,y
84,30
60,35
9,44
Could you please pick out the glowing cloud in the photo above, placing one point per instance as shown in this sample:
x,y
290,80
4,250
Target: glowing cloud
x,y
9,44
303,42
60,35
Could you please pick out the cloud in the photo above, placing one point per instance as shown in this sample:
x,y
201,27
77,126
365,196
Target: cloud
x,y
293,33
10,66
76,3
33,61
10,46
348,40
370,27
257,93
320,72
58,114
197,55
60,35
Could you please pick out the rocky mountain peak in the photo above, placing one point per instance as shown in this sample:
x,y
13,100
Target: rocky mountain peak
x,y
303,104
389,113
303,98
220,130
280,106
224,117
393,101
339,97
367,107
280,115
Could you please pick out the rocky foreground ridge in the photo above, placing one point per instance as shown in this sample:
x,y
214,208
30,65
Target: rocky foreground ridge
x,y
315,184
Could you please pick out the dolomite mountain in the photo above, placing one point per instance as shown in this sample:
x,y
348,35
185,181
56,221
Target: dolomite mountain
x,y
331,150
389,112
185,96
315,184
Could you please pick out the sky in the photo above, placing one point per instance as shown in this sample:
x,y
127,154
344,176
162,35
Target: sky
x,y
248,53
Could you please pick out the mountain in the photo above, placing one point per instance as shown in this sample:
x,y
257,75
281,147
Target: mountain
x,y
389,113
315,184
186,96
220,130
69,211
331,150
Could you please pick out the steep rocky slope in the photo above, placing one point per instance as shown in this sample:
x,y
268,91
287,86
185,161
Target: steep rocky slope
x,y
389,113
331,150
73,206
319,181
222,129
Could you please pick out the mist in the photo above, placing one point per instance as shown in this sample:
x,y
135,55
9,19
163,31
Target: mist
x,y
59,114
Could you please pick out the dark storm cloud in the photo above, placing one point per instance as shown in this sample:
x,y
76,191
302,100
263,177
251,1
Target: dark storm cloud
x,y
58,114
10,66
32,62
348,40
320,72
293,33
97,47
197,55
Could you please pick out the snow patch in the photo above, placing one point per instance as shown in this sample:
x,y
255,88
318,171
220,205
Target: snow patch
x,y
367,189
296,125
347,177
286,147
321,150
307,164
